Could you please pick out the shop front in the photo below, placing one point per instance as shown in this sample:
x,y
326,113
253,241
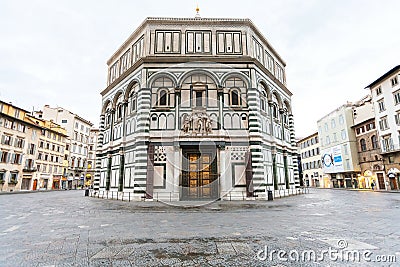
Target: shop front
x,y
26,182
56,182
393,179
64,182
44,181
70,181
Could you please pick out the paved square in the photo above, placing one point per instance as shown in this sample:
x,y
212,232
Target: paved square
x,y
65,228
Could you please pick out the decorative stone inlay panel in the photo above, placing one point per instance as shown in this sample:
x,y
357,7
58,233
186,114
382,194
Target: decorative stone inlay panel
x,y
238,153
160,154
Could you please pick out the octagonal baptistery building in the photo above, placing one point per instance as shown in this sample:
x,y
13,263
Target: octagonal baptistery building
x,y
196,109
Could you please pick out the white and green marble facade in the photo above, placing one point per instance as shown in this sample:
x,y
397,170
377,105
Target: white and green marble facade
x,y
153,83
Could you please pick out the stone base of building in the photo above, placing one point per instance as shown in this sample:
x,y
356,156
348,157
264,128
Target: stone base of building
x,y
233,195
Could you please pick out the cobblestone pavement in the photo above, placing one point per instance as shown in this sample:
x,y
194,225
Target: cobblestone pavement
x,y
64,228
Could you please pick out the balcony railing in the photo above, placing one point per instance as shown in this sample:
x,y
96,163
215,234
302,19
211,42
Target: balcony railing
x,y
29,169
390,148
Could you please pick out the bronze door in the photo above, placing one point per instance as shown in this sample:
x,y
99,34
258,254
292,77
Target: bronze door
x,y
200,178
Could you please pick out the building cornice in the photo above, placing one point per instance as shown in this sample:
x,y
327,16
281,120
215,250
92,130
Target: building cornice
x,y
28,121
13,106
308,137
383,77
363,122
84,120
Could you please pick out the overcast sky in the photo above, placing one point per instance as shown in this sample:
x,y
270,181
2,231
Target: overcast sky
x,y
55,52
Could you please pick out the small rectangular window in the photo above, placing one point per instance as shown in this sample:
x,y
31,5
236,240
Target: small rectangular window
x,y
381,105
394,81
378,90
199,96
397,118
396,96
333,123
344,134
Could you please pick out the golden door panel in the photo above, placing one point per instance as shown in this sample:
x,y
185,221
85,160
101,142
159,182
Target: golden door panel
x,y
200,176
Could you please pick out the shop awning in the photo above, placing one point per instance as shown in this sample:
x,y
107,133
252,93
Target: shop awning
x,y
392,172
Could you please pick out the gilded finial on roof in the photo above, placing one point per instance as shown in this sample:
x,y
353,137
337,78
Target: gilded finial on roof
x,y
197,12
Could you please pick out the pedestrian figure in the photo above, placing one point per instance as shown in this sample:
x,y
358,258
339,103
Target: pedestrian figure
x,y
373,185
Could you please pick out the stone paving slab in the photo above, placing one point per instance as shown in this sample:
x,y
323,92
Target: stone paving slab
x,y
72,230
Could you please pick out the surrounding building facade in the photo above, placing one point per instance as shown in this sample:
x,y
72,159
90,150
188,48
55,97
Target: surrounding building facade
x,y
385,93
196,109
31,151
309,149
50,153
78,129
339,152
92,148
369,158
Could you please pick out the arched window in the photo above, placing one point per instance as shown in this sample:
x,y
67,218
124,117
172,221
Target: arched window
x,y
120,111
237,87
275,111
133,102
162,92
285,117
263,101
363,145
108,117
374,141
234,98
162,98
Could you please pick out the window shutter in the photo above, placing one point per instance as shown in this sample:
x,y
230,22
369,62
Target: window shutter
x,y
8,157
3,139
20,159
